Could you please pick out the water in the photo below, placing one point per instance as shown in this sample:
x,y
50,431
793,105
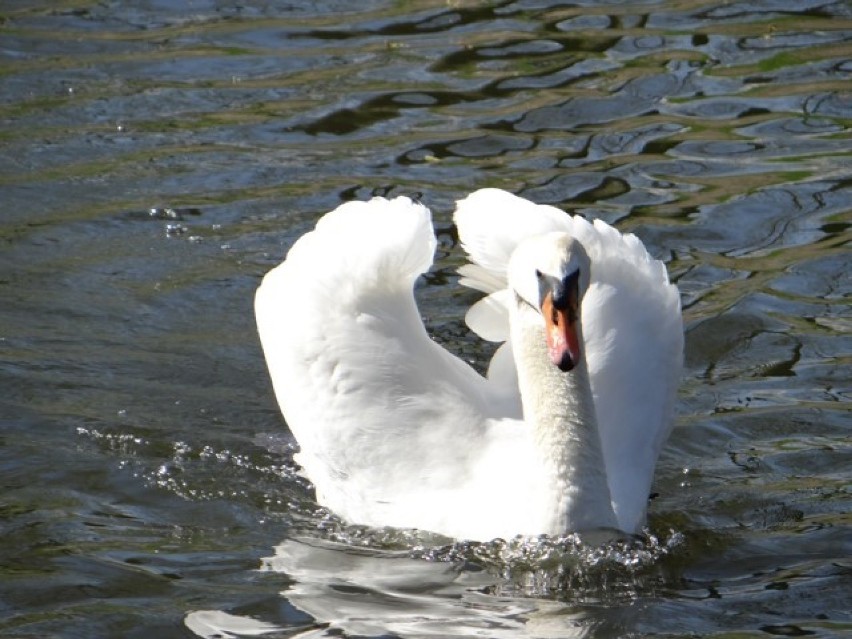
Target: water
x,y
156,158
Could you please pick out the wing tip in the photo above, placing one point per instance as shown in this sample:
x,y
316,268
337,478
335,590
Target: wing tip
x,y
393,236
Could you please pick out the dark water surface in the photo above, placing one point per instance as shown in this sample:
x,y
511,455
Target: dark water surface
x,y
156,158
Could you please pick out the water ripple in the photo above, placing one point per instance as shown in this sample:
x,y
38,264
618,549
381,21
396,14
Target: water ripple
x,y
156,158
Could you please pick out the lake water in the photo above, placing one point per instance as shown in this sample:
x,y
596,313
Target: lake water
x,y
157,158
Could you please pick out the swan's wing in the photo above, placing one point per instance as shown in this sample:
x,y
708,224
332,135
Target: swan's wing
x,y
632,329
371,399
633,334
491,223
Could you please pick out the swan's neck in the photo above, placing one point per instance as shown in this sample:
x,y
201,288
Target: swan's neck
x,y
559,409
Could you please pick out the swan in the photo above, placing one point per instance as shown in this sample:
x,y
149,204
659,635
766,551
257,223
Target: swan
x,y
563,432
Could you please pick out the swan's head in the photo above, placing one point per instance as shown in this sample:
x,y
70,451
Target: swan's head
x,y
550,273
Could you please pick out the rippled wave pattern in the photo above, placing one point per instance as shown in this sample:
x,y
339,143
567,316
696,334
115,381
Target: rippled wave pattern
x,y
156,158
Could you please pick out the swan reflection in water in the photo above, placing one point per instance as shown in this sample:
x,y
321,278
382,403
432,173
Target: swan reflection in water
x,y
376,593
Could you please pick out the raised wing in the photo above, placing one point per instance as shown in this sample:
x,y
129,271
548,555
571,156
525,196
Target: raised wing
x,y
491,223
632,330
361,385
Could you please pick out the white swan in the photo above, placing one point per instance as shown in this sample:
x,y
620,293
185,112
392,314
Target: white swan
x,y
563,434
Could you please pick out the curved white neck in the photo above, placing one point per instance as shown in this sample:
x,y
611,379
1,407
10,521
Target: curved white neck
x,y
560,410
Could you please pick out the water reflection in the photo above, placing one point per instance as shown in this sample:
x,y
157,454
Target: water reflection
x,y
404,583
375,593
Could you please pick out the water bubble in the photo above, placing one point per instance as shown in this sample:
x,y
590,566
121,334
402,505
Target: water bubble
x,y
181,450
164,213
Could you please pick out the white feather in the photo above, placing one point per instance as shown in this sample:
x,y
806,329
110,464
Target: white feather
x,y
489,317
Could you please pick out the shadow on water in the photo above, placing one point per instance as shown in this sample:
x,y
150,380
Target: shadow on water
x,y
157,158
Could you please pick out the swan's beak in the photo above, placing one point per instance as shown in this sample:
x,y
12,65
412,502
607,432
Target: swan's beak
x,y
560,308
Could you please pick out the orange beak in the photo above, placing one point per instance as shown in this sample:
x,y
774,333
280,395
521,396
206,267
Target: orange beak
x,y
560,321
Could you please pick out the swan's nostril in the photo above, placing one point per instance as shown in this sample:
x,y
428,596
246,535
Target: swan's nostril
x,y
566,363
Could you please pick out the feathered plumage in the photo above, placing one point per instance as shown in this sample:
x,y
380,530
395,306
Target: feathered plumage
x,y
394,430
